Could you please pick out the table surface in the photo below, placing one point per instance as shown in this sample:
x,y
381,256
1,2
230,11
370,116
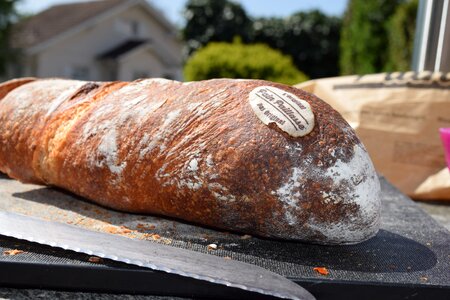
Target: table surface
x,y
410,254
438,210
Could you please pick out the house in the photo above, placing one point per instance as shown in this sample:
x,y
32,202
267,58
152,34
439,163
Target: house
x,y
99,40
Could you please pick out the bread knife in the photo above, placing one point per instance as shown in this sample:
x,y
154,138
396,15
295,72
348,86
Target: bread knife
x,y
151,255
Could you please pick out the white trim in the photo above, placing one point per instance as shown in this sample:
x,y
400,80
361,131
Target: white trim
x,y
440,46
425,34
151,48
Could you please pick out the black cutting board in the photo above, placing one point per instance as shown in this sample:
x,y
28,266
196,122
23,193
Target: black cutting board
x,y
409,258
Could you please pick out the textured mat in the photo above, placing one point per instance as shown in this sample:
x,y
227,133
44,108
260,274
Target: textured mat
x,y
410,255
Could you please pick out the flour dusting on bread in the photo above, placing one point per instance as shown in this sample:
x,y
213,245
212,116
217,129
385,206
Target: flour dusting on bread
x,y
285,165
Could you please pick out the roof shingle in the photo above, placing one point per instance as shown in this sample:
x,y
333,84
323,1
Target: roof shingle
x,y
56,20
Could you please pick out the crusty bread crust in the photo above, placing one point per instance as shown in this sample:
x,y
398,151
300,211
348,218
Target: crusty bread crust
x,y
194,151
10,85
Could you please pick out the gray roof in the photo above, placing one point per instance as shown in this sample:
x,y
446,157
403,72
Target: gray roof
x,y
56,20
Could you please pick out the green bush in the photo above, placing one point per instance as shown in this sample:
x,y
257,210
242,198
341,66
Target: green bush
x,y
213,21
401,29
237,60
310,38
364,38
7,15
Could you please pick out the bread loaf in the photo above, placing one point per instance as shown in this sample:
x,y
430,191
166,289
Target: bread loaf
x,y
244,155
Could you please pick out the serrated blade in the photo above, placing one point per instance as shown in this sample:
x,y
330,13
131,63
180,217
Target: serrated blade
x,y
151,255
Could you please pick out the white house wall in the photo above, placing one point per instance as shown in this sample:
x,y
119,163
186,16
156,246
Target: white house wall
x,y
151,29
140,64
80,50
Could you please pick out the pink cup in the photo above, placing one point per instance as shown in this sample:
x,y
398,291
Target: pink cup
x,y
445,136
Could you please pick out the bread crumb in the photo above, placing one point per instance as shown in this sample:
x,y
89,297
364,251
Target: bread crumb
x,y
246,237
227,258
13,252
145,226
155,236
145,236
95,259
167,241
212,247
321,270
117,229
124,229
112,229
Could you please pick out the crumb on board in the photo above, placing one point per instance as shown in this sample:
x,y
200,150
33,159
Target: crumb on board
x,y
155,236
117,229
246,237
124,229
212,247
321,270
145,226
167,241
13,252
112,229
95,259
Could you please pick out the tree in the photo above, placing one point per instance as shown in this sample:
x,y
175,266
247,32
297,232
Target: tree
x,y
213,20
236,60
310,38
401,31
7,16
364,38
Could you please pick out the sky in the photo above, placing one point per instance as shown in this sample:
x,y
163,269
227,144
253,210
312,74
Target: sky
x,y
255,8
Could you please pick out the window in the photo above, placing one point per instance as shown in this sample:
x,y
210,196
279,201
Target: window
x,y
78,72
134,25
140,74
128,27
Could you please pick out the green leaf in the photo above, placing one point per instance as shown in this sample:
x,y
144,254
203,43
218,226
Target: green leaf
x,y
237,60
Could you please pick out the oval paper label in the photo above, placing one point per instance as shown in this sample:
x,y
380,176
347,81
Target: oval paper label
x,y
291,114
